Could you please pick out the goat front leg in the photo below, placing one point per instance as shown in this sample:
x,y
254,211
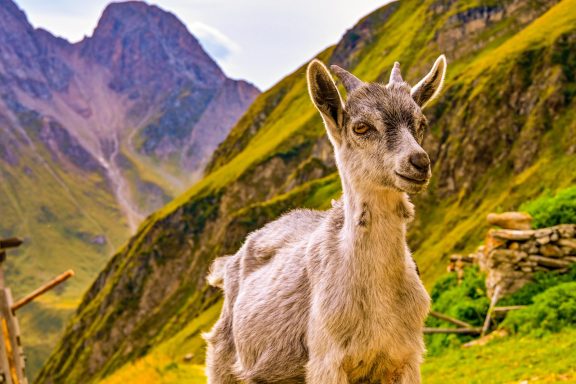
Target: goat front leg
x,y
325,360
408,374
221,354
325,370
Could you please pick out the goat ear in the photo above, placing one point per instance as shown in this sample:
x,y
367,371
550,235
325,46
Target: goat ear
x,y
429,87
326,98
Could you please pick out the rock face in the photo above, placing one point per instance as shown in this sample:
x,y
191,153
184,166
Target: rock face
x,y
501,129
181,100
96,135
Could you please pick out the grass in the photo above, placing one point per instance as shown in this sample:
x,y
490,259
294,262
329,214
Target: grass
x,y
542,333
541,281
466,301
165,363
60,215
545,359
549,210
512,359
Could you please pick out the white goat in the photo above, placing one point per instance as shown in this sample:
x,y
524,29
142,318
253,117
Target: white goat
x,y
327,297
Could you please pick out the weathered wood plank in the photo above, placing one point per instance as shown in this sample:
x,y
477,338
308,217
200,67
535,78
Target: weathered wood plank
x,y
493,302
453,330
5,375
46,287
449,319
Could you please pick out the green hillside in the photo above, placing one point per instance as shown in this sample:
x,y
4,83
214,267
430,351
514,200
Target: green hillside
x,y
68,218
503,131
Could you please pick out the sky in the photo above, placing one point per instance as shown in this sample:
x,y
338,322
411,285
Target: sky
x,y
257,40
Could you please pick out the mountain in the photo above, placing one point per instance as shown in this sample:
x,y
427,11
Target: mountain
x,y
94,136
502,131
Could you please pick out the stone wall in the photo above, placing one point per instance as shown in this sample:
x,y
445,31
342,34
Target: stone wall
x,y
510,257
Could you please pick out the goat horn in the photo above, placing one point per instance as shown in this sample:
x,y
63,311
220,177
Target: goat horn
x,y
395,75
349,81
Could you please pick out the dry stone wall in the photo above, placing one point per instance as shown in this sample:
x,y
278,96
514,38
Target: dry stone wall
x,y
511,257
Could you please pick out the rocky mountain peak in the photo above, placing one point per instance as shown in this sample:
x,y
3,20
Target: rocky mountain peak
x,y
11,15
145,46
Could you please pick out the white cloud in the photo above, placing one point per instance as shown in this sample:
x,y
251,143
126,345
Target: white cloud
x,y
216,43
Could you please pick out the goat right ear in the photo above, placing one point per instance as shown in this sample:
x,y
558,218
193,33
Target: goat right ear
x,y
326,98
429,87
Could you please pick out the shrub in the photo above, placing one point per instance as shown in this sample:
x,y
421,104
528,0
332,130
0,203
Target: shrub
x,y
467,302
552,310
542,282
549,210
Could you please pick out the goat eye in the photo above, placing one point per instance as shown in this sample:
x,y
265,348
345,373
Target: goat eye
x,y
361,129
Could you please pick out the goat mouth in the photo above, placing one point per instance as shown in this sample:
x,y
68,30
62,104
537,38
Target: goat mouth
x,y
411,179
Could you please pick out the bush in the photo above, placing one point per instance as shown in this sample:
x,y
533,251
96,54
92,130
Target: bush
x,y
549,210
552,310
542,282
467,302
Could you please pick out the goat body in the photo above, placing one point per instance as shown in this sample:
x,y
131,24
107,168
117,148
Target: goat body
x,y
296,285
334,297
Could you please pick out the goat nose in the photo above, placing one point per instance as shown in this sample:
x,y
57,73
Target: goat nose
x,y
420,161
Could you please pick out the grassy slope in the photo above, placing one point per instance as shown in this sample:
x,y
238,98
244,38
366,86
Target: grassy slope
x,y
509,360
472,119
59,213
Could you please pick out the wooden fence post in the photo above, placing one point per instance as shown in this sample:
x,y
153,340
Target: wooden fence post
x,y
493,302
5,374
11,340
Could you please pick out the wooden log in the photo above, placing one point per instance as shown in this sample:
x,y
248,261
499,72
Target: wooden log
x,y
12,242
43,289
449,319
508,308
470,331
493,302
508,255
566,231
569,243
464,258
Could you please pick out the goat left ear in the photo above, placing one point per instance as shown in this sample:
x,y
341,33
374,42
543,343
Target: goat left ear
x,y
326,98
429,87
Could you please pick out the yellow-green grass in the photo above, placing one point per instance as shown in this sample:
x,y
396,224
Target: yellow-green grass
x,y
63,213
512,359
515,359
166,363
